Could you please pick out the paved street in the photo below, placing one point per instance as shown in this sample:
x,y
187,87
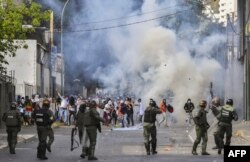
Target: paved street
x,y
117,145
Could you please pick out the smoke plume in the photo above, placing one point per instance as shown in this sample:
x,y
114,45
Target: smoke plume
x,y
132,47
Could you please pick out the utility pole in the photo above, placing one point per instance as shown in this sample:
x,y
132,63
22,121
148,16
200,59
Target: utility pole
x,y
246,9
244,53
62,50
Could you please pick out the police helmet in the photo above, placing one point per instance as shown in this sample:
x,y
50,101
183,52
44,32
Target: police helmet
x,y
203,103
230,102
93,104
82,107
46,103
13,105
151,102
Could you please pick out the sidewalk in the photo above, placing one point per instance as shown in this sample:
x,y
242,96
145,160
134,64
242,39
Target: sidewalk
x,y
26,133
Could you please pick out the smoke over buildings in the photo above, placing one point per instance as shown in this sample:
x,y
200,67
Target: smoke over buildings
x,y
147,48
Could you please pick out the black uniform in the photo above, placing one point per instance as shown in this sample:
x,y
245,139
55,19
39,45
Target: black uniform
x,y
43,121
149,128
12,118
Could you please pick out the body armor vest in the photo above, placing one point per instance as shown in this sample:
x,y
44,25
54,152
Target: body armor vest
x,y
42,118
149,115
12,118
89,120
226,116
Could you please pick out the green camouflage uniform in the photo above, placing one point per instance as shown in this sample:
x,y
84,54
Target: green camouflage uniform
x,y
201,126
227,114
50,131
149,128
92,121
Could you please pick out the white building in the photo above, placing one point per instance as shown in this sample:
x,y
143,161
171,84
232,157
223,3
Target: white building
x,y
226,7
30,68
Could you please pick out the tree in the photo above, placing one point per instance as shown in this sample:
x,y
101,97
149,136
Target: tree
x,y
13,18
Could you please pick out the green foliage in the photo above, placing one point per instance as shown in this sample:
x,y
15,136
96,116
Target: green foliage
x,y
12,18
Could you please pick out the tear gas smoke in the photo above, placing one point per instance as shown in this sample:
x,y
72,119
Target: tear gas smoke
x,y
147,59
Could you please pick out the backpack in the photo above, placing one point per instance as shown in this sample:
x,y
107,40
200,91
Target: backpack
x,y
170,108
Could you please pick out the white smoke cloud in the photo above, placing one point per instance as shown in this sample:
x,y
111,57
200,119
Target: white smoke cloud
x,y
146,59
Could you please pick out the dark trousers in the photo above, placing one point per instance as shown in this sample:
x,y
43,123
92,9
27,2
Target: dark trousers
x,y
70,114
92,133
130,117
149,130
42,137
224,129
51,136
12,137
201,133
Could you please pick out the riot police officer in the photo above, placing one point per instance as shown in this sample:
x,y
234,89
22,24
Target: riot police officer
x,y
149,128
216,108
92,121
82,130
201,127
51,137
225,117
43,121
12,119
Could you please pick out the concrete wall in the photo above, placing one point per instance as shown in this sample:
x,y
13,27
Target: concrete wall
x,y
24,65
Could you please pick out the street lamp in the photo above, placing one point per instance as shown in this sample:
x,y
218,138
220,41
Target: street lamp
x,y
62,71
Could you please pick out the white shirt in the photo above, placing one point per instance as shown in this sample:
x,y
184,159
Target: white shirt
x,y
64,103
141,109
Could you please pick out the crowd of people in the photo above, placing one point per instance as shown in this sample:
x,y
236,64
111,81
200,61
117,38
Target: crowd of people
x,y
88,114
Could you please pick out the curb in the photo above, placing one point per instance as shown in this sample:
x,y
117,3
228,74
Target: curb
x,y
20,138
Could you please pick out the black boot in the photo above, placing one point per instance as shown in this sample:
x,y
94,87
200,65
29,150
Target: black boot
x,y
154,148
147,147
203,149
12,148
39,154
43,152
48,148
194,149
92,154
83,152
219,151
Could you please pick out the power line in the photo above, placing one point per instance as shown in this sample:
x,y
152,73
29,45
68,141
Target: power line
x,y
127,24
141,14
123,17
